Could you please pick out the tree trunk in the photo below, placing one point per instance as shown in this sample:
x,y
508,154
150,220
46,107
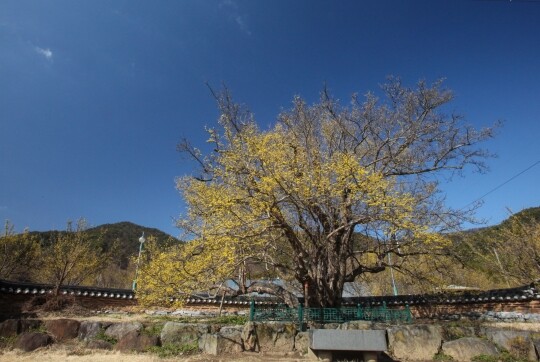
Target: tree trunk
x,y
326,280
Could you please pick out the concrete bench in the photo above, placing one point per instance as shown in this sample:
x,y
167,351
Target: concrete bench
x,y
324,343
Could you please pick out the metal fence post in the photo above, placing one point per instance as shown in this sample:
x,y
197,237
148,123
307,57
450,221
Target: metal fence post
x,y
301,317
408,312
252,310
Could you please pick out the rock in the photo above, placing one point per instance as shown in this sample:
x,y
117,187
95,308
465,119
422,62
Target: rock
x,y
275,336
464,349
9,328
27,325
62,329
518,343
249,337
452,332
536,343
189,313
509,316
357,325
301,342
208,343
182,333
230,339
331,325
533,318
99,344
133,341
31,341
119,330
89,330
414,342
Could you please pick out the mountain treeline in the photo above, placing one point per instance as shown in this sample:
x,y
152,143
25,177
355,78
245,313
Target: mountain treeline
x,y
100,256
499,256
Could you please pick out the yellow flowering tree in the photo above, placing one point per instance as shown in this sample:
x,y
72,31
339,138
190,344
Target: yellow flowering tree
x,y
327,194
18,253
72,257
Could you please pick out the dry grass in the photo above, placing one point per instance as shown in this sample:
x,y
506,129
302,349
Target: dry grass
x,y
516,326
54,355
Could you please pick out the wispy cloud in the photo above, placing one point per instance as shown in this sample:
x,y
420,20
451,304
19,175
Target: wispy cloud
x,y
241,21
47,53
233,12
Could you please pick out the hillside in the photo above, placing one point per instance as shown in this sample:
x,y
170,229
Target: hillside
x,y
125,233
503,254
483,257
528,215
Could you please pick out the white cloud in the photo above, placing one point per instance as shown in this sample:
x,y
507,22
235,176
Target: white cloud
x,y
229,3
47,53
232,9
241,21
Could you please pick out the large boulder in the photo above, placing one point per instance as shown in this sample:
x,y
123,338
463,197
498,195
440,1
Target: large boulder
x,y
301,342
99,344
27,325
227,340
182,333
208,343
518,343
119,330
230,339
89,330
62,329
464,349
275,336
414,342
249,337
9,328
451,332
134,341
31,341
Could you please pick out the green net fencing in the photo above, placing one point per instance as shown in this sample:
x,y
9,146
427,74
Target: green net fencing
x,y
284,313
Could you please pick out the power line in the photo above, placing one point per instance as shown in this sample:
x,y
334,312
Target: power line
x,y
501,185
511,1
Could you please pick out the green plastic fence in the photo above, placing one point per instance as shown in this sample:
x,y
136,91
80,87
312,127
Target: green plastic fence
x,y
261,313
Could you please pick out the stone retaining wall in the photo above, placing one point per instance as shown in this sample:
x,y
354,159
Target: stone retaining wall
x,y
422,342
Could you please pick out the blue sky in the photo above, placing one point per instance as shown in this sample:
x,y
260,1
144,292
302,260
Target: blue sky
x,y
95,95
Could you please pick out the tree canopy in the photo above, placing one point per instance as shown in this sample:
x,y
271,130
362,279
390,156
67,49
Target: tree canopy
x,y
327,194
18,253
73,257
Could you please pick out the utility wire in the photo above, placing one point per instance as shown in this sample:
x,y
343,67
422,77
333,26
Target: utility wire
x,y
511,1
501,185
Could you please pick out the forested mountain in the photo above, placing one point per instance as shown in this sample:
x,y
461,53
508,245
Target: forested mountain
x,y
113,247
125,234
507,254
498,256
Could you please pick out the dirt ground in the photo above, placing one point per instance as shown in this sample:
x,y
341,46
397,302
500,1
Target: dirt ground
x,y
54,355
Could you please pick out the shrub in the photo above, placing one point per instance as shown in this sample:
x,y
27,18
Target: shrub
x,y
103,337
484,358
172,350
